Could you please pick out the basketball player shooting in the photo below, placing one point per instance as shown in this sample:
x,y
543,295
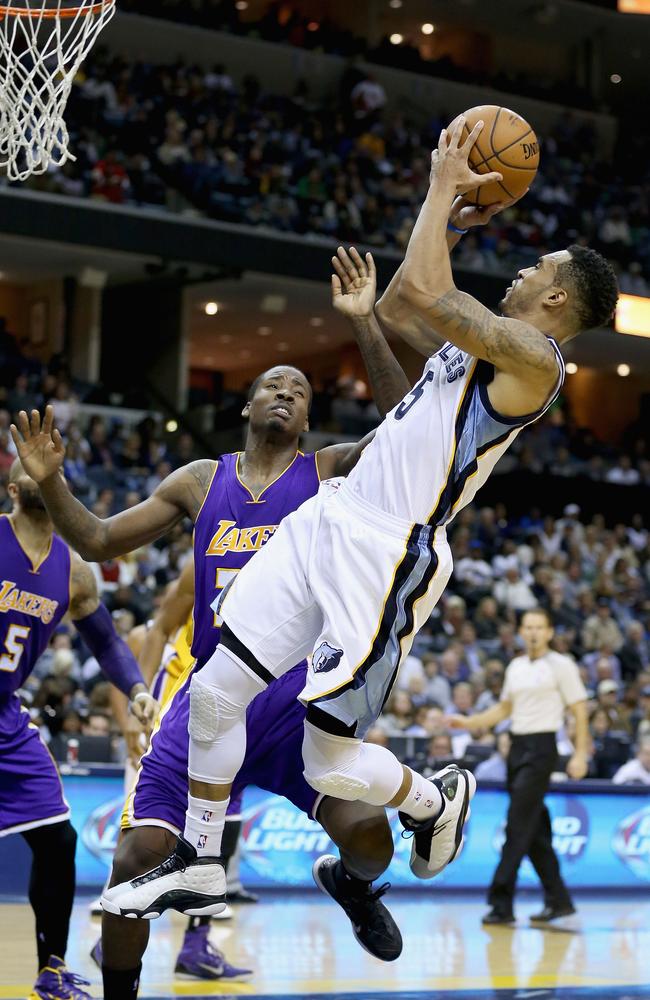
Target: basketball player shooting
x,y
353,574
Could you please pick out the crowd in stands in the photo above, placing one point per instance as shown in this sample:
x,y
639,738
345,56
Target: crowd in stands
x,y
285,24
179,137
592,574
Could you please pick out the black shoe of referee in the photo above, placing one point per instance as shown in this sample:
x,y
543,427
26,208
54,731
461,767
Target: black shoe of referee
x,y
372,924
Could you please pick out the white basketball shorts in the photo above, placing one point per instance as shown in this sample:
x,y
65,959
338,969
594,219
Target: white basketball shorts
x,y
346,584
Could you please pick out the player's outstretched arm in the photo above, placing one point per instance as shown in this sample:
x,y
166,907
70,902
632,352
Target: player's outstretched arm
x,y
173,612
427,283
354,290
41,451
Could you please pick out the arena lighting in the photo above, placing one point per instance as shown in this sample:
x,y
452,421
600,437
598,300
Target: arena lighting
x,y
211,308
316,321
616,78
571,368
395,4
322,338
633,315
264,331
623,370
396,38
282,346
634,6
428,28
241,5
171,426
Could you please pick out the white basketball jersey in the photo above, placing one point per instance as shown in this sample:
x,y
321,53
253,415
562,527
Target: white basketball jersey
x,y
435,450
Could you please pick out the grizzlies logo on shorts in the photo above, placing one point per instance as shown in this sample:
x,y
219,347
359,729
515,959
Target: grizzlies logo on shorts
x,y
326,658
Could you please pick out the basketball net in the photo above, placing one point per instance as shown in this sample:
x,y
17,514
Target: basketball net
x,y
42,46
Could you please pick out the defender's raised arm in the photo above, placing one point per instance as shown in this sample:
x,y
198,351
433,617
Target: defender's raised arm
x,y
41,450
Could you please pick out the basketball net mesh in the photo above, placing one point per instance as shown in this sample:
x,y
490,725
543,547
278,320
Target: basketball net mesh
x,y
42,46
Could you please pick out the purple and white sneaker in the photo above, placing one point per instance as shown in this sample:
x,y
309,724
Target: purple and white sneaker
x,y
199,959
55,982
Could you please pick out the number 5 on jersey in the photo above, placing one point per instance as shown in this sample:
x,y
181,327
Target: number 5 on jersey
x,y
17,636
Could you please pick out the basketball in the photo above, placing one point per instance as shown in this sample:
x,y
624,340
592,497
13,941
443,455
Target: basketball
x,y
507,144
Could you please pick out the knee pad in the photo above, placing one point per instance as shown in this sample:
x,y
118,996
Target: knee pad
x,y
204,711
338,784
330,764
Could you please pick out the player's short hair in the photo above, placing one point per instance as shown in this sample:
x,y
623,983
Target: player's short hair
x,y
16,470
539,610
255,384
593,279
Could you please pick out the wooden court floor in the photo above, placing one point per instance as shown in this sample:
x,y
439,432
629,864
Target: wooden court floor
x,y
303,946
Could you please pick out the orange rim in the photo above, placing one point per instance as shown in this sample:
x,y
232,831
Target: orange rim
x,y
94,8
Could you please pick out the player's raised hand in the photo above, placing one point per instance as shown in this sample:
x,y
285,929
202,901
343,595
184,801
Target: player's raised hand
x,y
464,214
450,163
354,283
39,445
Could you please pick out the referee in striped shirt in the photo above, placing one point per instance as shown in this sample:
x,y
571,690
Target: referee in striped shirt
x,y
537,689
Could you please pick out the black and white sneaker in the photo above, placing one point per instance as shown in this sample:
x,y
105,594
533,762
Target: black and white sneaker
x,y
183,881
436,842
372,923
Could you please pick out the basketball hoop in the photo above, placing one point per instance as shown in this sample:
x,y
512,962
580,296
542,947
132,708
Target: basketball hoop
x,y
42,45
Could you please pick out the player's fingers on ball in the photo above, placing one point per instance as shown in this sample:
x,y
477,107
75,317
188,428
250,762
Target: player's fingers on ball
x,y
457,131
473,135
491,178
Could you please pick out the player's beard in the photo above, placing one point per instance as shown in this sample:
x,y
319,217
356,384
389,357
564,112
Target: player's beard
x,y
30,499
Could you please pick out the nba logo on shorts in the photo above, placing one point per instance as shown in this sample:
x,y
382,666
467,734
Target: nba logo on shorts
x,y
207,816
203,839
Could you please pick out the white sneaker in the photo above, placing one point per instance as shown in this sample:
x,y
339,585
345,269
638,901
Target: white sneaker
x,y
436,842
183,881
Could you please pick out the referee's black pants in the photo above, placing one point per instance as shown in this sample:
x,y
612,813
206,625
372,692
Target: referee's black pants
x,y
531,761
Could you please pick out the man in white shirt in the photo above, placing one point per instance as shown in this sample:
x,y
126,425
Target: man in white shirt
x,y
637,770
538,687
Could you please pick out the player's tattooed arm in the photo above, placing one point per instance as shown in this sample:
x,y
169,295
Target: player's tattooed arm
x,y
510,345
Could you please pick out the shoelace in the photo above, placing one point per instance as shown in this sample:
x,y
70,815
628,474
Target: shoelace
x,y
72,979
369,898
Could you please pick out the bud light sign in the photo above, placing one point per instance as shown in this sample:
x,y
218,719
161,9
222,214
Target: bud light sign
x,y
632,842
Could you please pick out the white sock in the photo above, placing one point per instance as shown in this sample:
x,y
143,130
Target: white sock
x,y
423,800
204,824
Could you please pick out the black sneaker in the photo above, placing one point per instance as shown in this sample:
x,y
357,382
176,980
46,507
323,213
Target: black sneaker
x,y
372,924
498,917
550,913
242,896
183,882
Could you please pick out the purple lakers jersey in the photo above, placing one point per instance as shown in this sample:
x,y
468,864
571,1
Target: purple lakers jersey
x,y
33,600
231,527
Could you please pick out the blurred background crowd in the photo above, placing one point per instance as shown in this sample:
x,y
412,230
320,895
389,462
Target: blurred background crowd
x,y
179,137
